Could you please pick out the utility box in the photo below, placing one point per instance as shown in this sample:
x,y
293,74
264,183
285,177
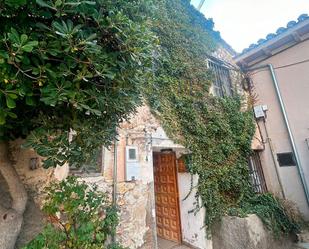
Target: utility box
x,y
259,112
132,164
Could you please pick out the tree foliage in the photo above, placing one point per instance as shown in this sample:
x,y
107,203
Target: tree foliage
x,y
70,69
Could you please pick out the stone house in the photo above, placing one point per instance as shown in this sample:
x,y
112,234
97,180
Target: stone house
x,y
277,69
145,170
152,181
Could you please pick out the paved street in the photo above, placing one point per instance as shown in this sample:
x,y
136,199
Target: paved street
x,y
165,244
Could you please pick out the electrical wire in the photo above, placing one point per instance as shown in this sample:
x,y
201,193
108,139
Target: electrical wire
x,y
201,4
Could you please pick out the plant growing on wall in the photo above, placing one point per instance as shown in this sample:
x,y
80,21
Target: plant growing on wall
x,y
67,68
216,131
79,216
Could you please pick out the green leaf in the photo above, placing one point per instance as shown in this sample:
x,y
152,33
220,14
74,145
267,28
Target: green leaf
x,y
42,26
12,95
23,38
4,54
58,3
30,101
10,102
28,47
14,36
12,115
2,118
16,3
44,4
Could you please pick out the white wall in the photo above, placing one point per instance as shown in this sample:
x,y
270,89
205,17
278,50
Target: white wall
x,y
192,225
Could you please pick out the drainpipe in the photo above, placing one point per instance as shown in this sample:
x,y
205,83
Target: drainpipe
x,y
291,137
115,181
115,174
270,143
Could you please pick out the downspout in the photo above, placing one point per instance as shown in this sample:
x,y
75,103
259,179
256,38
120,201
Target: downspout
x,y
115,181
291,137
269,141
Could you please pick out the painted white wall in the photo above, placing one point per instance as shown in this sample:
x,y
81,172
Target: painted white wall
x,y
192,224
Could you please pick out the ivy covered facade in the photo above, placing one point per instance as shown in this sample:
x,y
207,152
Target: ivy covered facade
x,y
147,103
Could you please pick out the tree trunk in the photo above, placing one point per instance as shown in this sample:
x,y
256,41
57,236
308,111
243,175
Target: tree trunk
x,y
11,218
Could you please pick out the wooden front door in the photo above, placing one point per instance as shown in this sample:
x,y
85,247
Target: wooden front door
x,y
166,196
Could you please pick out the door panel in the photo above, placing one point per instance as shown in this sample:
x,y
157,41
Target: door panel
x,y
166,193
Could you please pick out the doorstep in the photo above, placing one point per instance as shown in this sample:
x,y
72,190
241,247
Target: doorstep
x,y
166,244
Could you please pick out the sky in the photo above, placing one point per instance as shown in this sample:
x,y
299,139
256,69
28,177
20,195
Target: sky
x,y
243,22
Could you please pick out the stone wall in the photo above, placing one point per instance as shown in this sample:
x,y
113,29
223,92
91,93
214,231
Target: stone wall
x,y
133,198
246,233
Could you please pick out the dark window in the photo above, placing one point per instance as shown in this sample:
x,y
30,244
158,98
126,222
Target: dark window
x,y
286,159
132,154
222,80
95,167
256,173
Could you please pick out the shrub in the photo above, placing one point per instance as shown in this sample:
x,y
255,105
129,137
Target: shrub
x,y
79,216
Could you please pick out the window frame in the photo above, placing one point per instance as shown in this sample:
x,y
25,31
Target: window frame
x,y
84,171
221,88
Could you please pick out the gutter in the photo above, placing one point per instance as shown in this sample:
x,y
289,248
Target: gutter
x,y
287,124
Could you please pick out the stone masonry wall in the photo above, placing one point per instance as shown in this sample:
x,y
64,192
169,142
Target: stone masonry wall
x,y
133,199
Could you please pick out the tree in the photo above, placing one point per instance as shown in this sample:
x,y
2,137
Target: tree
x,y
66,68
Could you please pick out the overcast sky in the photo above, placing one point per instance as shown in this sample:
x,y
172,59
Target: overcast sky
x,y
242,22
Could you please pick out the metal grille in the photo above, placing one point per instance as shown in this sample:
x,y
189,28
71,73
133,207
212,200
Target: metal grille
x,y
256,173
222,80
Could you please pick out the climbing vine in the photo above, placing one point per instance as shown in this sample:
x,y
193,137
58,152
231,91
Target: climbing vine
x,y
216,131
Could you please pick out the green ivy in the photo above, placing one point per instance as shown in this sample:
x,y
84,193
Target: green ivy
x,y
216,131
78,68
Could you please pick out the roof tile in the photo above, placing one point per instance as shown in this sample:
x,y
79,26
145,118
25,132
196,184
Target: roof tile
x,y
279,31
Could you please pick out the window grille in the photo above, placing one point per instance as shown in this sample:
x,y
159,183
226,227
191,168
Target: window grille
x,y
222,84
256,173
